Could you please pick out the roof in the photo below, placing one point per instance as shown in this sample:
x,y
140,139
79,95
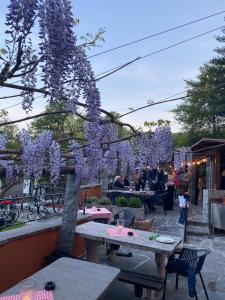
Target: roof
x,y
206,144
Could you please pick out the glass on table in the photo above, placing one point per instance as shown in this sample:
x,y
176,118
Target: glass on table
x,y
120,224
28,289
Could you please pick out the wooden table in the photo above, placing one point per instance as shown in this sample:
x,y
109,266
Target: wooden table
x,y
94,233
75,279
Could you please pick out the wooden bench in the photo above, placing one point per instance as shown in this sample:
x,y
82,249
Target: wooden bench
x,y
141,281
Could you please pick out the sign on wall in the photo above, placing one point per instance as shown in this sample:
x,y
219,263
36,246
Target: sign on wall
x,y
26,186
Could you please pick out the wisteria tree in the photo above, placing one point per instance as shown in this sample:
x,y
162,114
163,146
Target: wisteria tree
x,y
62,66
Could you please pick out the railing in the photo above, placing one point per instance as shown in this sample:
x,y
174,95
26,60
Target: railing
x,y
30,208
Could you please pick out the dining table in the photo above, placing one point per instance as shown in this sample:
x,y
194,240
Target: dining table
x,y
97,213
74,280
97,233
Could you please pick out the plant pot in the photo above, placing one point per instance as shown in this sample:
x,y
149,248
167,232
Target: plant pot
x,y
139,212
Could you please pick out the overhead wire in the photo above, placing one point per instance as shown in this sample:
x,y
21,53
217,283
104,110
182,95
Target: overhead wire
x,y
148,37
156,34
115,69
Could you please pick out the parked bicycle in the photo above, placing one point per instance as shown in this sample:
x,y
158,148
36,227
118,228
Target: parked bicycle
x,y
9,213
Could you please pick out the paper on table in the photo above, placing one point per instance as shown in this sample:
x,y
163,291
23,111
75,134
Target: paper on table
x,y
41,295
120,232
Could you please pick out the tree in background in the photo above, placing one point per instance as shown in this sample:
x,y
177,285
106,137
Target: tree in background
x,y
10,131
202,113
65,125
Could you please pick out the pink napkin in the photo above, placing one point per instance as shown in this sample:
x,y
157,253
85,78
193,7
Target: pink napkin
x,y
120,232
41,295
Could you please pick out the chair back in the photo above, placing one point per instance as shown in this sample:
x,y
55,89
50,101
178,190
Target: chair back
x,y
193,258
128,215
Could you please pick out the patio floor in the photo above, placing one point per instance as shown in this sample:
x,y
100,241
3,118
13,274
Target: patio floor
x,y
213,271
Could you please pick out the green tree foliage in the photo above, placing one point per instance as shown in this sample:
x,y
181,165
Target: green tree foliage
x,y
62,125
203,114
10,130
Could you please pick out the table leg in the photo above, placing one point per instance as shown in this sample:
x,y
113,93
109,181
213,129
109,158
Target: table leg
x,y
160,262
92,250
148,294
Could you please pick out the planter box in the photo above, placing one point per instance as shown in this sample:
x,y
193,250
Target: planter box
x,y
139,212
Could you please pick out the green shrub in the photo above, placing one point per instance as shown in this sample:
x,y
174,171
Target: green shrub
x,y
121,201
92,199
134,202
104,201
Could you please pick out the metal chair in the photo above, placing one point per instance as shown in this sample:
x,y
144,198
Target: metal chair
x,y
188,264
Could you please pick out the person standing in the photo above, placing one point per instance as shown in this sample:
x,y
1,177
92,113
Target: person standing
x,y
183,204
136,179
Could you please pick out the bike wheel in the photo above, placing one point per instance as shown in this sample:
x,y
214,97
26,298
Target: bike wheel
x,y
43,213
14,213
31,216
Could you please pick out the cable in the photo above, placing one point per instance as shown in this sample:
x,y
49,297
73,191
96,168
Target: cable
x,y
170,100
148,37
156,34
115,69
166,48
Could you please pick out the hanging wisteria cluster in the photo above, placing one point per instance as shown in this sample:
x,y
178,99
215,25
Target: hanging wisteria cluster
x,y
68,78
34,153
182,156
54,161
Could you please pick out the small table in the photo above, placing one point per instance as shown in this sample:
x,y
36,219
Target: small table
x,y
97,213
75,279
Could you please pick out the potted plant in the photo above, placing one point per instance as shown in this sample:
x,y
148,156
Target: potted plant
x,y
133,203
104,202
136,204
91,201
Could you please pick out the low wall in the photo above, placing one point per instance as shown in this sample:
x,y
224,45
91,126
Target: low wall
x,y
23,250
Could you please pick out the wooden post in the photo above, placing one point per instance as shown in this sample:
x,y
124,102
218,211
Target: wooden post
x,y
217,170
194,185
69,217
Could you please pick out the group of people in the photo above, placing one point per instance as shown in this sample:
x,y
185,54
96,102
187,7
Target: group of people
x,y
146,179
152,179
120,182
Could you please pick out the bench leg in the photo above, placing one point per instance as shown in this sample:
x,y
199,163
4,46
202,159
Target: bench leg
x,y
148,294
160,262
92,250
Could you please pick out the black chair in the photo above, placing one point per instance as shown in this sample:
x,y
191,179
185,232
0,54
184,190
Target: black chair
x,y
188,263
126,214
161,199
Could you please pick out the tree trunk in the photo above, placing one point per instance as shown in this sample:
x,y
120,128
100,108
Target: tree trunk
x,y
69,217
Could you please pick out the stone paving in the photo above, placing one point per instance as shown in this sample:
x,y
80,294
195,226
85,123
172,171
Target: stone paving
x,y
213,270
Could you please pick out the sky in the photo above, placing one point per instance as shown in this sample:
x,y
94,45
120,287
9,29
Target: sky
x,y
156,77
